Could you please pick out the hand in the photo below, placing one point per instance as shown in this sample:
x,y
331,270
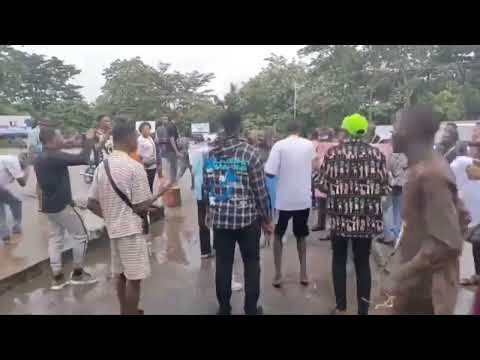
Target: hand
x,y
90,134
268,227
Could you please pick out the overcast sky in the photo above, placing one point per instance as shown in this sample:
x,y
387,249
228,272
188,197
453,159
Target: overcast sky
x,y
229,63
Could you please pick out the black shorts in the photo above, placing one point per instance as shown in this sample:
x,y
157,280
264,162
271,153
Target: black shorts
x,y
300,222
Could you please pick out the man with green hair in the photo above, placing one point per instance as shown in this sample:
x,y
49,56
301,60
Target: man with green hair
x,y
354,177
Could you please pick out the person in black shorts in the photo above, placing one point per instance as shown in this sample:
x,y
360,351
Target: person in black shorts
x,y
291,161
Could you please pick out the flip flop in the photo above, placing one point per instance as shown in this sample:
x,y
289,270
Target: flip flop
x,y
473,280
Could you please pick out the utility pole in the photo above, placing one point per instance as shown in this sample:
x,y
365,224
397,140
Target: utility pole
x,y
294,100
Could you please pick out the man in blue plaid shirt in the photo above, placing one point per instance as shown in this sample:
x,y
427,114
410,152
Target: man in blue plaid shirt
x,y
239,206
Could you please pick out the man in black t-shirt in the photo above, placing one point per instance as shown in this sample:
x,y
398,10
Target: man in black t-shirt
x,y
171,150
51,168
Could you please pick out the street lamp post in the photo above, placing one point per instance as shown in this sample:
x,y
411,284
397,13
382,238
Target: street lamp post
x,y
294,100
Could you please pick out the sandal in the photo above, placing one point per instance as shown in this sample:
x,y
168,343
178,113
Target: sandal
x,y
473,280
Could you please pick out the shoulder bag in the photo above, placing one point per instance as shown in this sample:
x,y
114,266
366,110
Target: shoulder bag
x,y
126,200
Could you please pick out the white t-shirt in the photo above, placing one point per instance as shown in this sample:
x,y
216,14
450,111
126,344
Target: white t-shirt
x,y
146,150
291,161
131,178
10,169
469,190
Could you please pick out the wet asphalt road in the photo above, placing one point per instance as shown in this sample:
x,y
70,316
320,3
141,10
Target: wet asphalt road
x,y
183,284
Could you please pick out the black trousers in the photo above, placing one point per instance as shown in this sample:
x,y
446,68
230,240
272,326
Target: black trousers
x,y
322,212
361,257
476,256
248,240
151,177
204,231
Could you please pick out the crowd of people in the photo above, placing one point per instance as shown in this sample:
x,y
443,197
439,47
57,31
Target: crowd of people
x,y
249,188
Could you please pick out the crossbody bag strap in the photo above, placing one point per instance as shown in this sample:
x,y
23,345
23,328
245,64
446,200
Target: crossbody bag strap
x,y
122,196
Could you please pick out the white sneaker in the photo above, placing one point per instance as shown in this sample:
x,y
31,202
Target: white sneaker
x,y
236,286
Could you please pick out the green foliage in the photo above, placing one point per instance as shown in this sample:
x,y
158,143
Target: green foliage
x,y
35,80
144,92
72,115
328,83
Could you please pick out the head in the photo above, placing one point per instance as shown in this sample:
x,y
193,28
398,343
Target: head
x,y
324,134
44,122
341,135
315,135
476,133
33,123
355,125
124,135
293,128
450,134
413,127
145,129
104,123
252,137
231,123
51,138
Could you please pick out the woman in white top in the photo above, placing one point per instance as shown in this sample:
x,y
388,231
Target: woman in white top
x,y
147,152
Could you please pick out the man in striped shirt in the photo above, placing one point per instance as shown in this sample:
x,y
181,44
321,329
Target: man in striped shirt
x,y
129,250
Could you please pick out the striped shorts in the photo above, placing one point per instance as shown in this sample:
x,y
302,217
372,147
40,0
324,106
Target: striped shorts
x,y
130,257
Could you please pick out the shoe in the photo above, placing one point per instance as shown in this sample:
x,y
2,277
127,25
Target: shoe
x,y
82,279
338,312
277,281
224,312
208,256
305,282
236,286
258,312
317,228
16,229
58,282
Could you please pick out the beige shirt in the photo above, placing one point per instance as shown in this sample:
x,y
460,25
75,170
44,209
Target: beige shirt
x,y
131,178
431,216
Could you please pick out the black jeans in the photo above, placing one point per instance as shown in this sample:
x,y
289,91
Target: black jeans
x,y
476,256
204,231
248,240
151,177
322,212
361,257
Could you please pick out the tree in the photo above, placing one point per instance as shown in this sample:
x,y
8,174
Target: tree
x,y
144,92
72,115
35,80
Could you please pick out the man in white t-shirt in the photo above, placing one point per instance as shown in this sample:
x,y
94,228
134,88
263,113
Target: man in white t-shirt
x,y
291,161
469,191
11,168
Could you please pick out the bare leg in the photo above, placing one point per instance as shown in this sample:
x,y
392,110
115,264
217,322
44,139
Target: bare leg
x,y
277,256
302,257
121,282
132,297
